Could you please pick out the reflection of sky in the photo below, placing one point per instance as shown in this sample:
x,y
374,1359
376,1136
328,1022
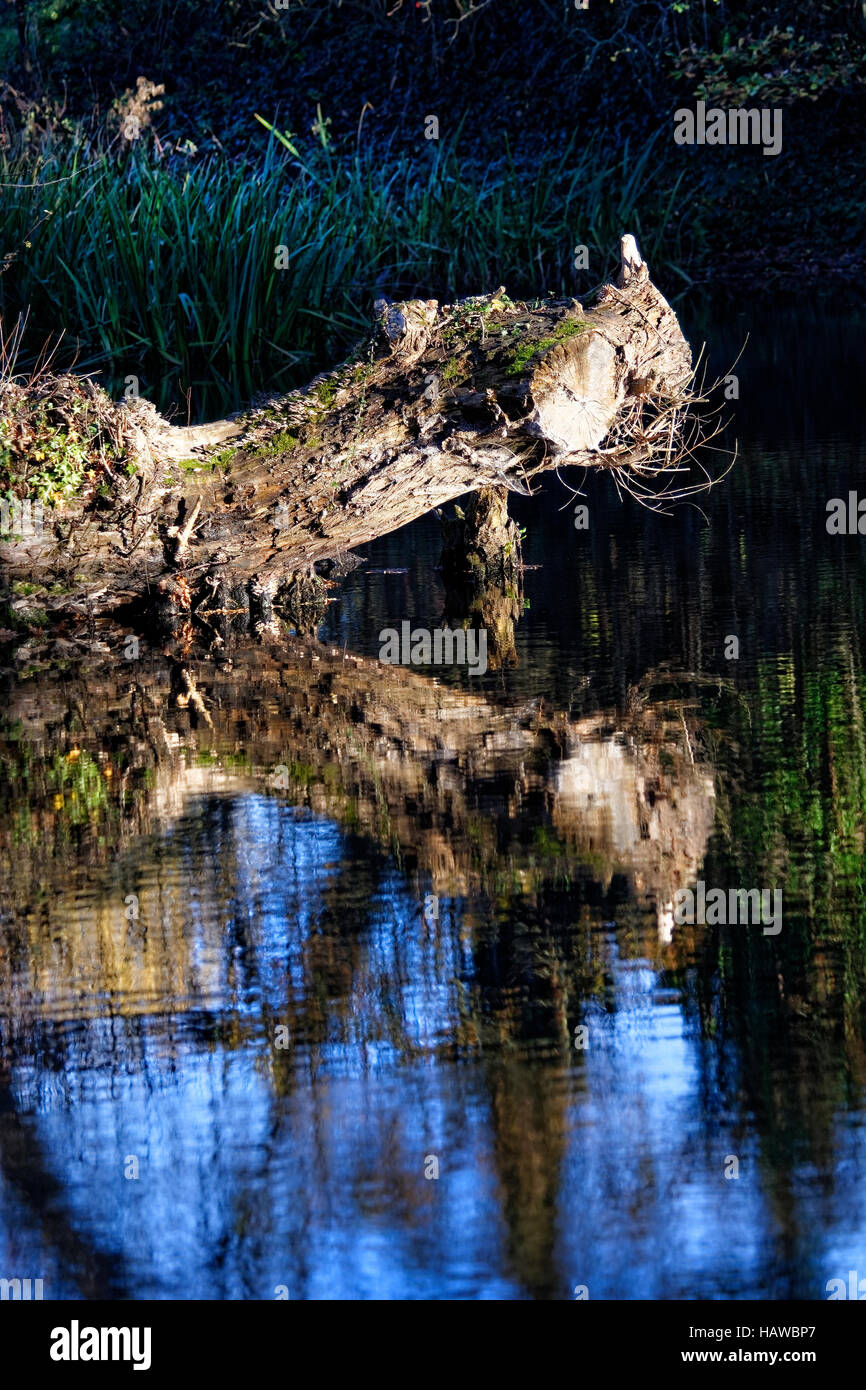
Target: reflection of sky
x,y
318,1182
673,1225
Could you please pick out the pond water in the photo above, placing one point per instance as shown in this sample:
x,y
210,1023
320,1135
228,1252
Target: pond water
x,y
347,982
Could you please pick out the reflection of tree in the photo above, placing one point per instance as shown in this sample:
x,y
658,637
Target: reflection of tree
x,y
494,610
27,1170
529,826
528,1110
123,792
470,796
787,1015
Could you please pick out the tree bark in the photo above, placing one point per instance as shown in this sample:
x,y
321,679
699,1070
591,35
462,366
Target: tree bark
x,y
441,401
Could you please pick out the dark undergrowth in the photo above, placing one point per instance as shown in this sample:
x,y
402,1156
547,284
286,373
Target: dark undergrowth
x,y
187,253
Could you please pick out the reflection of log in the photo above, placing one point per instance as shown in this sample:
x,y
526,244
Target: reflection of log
x,y
444,401
493,608
641,816
471,799
461,787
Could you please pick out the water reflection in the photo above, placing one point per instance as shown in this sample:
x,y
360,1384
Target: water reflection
x,y
433,888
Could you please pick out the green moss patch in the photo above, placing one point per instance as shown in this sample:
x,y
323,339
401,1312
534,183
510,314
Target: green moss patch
x,y
58,434
568,328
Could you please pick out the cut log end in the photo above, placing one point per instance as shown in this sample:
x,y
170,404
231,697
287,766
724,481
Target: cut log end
x,y
576,393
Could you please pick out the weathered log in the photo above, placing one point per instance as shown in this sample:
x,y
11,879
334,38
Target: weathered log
x,y
441,401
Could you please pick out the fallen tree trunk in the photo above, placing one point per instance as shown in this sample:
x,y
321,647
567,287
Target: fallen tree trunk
x,y
440,402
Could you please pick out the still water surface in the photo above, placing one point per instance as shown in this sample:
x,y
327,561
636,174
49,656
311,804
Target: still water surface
x,y
423,889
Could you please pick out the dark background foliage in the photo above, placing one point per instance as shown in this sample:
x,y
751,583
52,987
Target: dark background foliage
x,y
534,69
555,128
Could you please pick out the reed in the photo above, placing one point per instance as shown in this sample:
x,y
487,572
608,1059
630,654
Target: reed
x,y
164,268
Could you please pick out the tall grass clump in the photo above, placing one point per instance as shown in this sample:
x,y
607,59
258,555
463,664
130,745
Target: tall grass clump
x,y
164,268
